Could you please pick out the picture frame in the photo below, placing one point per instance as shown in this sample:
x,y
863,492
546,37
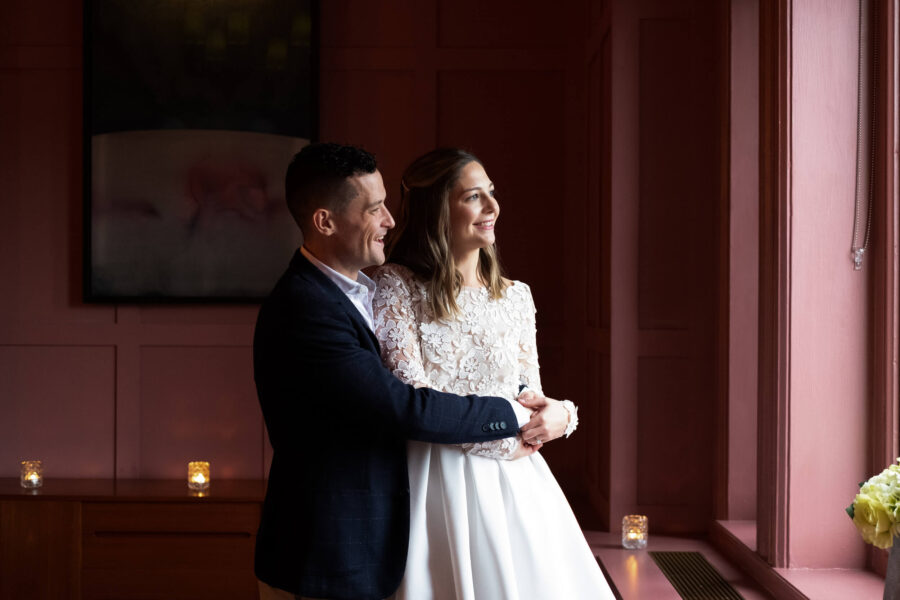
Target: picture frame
x,y
192,112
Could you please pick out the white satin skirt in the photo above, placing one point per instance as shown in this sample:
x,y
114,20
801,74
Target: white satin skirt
x,y
487,529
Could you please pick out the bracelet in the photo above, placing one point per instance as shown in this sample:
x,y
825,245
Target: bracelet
x,y
573,416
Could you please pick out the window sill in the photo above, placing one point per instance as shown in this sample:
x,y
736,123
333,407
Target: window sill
x,y
736,540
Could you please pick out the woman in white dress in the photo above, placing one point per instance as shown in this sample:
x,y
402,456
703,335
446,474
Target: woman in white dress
x,y
483,525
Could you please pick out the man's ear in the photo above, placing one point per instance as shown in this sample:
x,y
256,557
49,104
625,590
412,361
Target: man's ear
x,y
323,221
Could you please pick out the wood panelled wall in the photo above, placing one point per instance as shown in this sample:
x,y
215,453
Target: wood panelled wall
x,y
596,120
667,123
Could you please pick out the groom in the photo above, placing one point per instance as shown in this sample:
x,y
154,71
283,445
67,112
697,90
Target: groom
x,y
335,521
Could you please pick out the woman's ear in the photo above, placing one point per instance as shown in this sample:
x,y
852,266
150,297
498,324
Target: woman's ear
x,y
323,221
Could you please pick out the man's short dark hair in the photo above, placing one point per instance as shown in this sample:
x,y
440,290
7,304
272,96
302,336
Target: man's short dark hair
x,y
317,178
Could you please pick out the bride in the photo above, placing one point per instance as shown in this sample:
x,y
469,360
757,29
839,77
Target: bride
x,y
482,525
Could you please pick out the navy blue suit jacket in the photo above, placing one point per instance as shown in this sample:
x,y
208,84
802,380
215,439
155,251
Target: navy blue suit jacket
x,y
335,521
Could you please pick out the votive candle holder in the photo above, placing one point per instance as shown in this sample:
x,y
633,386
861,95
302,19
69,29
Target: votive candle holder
x,y
198,475
634,532
32,474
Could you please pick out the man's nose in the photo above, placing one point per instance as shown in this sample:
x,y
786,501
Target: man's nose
x,y
388,220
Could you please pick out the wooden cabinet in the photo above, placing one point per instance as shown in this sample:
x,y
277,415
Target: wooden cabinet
x,y
97,539
40,546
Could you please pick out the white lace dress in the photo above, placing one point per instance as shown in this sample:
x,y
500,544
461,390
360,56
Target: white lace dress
x,y
482,527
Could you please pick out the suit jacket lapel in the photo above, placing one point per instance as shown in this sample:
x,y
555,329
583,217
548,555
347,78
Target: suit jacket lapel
x,y
300,264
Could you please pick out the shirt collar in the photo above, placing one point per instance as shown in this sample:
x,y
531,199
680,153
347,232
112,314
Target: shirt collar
x,y
362,284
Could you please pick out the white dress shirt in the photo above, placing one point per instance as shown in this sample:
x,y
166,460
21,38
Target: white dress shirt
x,y
360,292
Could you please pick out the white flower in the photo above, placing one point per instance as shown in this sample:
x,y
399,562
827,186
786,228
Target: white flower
x,y
876,508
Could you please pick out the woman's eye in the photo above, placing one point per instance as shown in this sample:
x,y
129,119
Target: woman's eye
x,y
473,197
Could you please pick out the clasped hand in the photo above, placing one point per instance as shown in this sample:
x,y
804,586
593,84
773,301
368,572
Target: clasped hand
x,y
548,419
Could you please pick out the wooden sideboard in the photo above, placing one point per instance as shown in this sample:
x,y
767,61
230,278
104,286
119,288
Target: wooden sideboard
x,y
117,540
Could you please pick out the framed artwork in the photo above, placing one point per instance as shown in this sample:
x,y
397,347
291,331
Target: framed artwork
x,y
192,111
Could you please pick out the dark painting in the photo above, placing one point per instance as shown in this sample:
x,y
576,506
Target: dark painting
x,y
193,109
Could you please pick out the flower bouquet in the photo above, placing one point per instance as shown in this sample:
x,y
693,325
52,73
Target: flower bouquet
x,y
876,509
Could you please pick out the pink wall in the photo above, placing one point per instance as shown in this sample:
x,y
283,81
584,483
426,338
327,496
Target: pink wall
x,y
744,256
137,391
623,263
664,195
829,302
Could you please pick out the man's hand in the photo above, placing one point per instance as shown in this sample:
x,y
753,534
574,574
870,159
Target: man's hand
x,y
548,421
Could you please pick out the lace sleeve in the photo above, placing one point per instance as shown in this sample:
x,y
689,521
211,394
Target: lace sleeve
x,y
530,373
396,327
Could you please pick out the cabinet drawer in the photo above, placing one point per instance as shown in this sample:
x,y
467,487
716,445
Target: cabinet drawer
x,y
168,550
152,551
138,584
170,517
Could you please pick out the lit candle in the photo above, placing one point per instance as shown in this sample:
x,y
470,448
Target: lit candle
x,y
198,475
32,474
634,532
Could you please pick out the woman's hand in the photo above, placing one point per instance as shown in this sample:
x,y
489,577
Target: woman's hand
x,y
548,421
525,449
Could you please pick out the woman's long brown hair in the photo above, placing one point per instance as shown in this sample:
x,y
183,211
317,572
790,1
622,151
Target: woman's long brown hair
x,y
421,240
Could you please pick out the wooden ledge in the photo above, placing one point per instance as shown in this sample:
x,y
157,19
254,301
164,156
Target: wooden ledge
x,y
135,490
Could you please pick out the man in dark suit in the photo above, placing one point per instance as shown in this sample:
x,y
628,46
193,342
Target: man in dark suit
x,y
335,522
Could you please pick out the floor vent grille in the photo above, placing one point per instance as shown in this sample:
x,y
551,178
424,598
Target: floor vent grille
x,y
693,577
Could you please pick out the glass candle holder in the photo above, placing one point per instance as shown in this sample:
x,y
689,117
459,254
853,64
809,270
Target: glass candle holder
x,y
198,475
634,532
32,474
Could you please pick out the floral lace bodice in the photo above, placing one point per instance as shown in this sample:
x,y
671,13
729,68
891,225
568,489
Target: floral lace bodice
x,y
488,349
